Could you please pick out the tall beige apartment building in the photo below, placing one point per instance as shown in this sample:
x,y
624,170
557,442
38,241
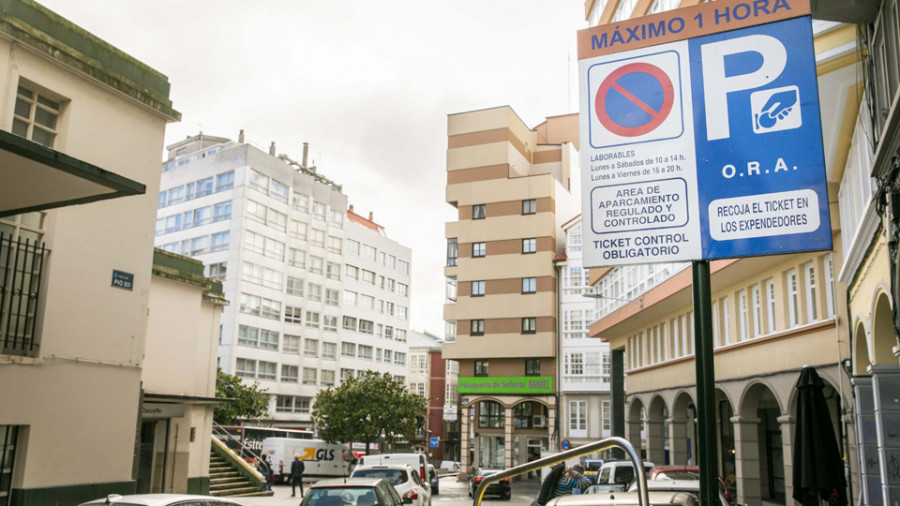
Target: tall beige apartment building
x,y
514,186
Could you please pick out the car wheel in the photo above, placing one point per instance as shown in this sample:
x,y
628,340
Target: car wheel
x,y
507,497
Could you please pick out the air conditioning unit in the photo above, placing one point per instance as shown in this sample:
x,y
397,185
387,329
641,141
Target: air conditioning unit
x,y
539,422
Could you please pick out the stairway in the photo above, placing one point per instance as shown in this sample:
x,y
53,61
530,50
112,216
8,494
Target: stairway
x,y
226,481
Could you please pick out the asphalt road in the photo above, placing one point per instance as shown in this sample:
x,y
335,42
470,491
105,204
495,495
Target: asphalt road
x,y
452,493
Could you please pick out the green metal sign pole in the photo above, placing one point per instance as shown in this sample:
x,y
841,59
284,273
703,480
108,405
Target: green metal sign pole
x,y
706,383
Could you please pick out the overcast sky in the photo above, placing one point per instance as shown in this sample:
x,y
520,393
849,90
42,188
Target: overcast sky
x,y
368,84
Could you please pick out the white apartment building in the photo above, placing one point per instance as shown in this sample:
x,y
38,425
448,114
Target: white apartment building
x,y
584,362
317,293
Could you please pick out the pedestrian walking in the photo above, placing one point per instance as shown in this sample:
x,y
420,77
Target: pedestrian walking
x,y
297,468
264,469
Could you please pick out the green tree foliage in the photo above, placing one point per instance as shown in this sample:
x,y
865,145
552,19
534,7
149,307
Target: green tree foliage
x,y
366,408
248,402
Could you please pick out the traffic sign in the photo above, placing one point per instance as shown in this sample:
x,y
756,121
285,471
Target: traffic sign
x,y
565,444
706,146
434,442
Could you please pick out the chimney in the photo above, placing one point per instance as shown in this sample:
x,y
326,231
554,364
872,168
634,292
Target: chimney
x,y
351,208
272,149
371,217
241,137
305,153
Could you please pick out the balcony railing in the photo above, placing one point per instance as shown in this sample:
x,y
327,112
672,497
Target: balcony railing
x,y
21,267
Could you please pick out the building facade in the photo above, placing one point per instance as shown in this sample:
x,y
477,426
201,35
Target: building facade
x,y
771,315
82,123
584,365
318,291
512,186
434,378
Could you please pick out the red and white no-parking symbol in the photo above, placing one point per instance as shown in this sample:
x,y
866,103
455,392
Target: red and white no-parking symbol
x,y
634,99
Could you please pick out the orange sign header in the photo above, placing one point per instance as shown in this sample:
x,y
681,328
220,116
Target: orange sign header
x,y
687,23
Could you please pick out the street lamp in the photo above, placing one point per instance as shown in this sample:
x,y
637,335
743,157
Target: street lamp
x,y
594,295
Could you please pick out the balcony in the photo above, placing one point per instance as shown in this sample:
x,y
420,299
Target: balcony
x,y
21,267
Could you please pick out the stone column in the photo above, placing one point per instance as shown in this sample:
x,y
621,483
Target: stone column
x,y
746,445
465,461
656,442
633,434
678,441
885,387
788,425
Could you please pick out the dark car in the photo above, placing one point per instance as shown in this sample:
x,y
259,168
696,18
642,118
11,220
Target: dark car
x,y
353,492
500,488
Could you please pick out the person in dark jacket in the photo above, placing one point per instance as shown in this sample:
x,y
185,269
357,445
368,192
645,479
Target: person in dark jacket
x,y
297,468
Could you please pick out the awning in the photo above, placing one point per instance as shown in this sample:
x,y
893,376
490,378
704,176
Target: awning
x,y
35,178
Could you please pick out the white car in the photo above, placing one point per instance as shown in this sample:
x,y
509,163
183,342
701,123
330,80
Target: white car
x,y
162,500
404,478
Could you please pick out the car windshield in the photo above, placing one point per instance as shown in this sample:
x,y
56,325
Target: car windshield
x,y
394,476
340,496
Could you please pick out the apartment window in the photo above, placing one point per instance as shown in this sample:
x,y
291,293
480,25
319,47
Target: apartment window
x,y
578,415
369,252
742,315
478,249
300,202
316,264
809,273
333,271
311,348
770,304
348,350
400,335
292,404
291,344
726,321
259,182
220,241
481,367
829,285
222,211
529,285
387,356
350,297
200,245
477,327
451,290
529,245
289,373
529,206
352,272
217,270
490,415
352,247
368,277
388,332
450,330
605,408
452,252
317,237
529,325
298,230
793,298
335,244
367,327
310,376
364,352
245,368
297,258
349,323
293,314
295,287
318,210
478,212
336,218
327,378
346,374
366,301
204,187
329,323
477,288
312,319
756,301
35,117
332,296
329,351
402,290
225,181
403,266
532,367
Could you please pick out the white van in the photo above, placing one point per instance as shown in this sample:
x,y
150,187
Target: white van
x,y
416,461
320,459
619,472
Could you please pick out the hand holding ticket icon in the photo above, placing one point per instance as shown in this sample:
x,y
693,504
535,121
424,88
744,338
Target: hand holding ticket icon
x,y
777,107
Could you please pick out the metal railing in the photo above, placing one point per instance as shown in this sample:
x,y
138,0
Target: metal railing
x,y
21,268
603,444
234,444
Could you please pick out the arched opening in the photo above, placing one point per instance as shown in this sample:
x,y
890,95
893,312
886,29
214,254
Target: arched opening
x,y
725,428
634,430
861,359
883,335
682,431
759,448
657,431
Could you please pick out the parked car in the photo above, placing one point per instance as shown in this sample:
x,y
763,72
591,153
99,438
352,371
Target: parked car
x,y
163,500
619,472
692,486
686,473
415,460
433,480
353,492
626,499
500,488
404,478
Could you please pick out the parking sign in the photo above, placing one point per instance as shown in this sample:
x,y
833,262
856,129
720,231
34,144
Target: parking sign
x,y
701,136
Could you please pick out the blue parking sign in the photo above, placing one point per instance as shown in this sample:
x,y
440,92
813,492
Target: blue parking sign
x,y
434,442
706,147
